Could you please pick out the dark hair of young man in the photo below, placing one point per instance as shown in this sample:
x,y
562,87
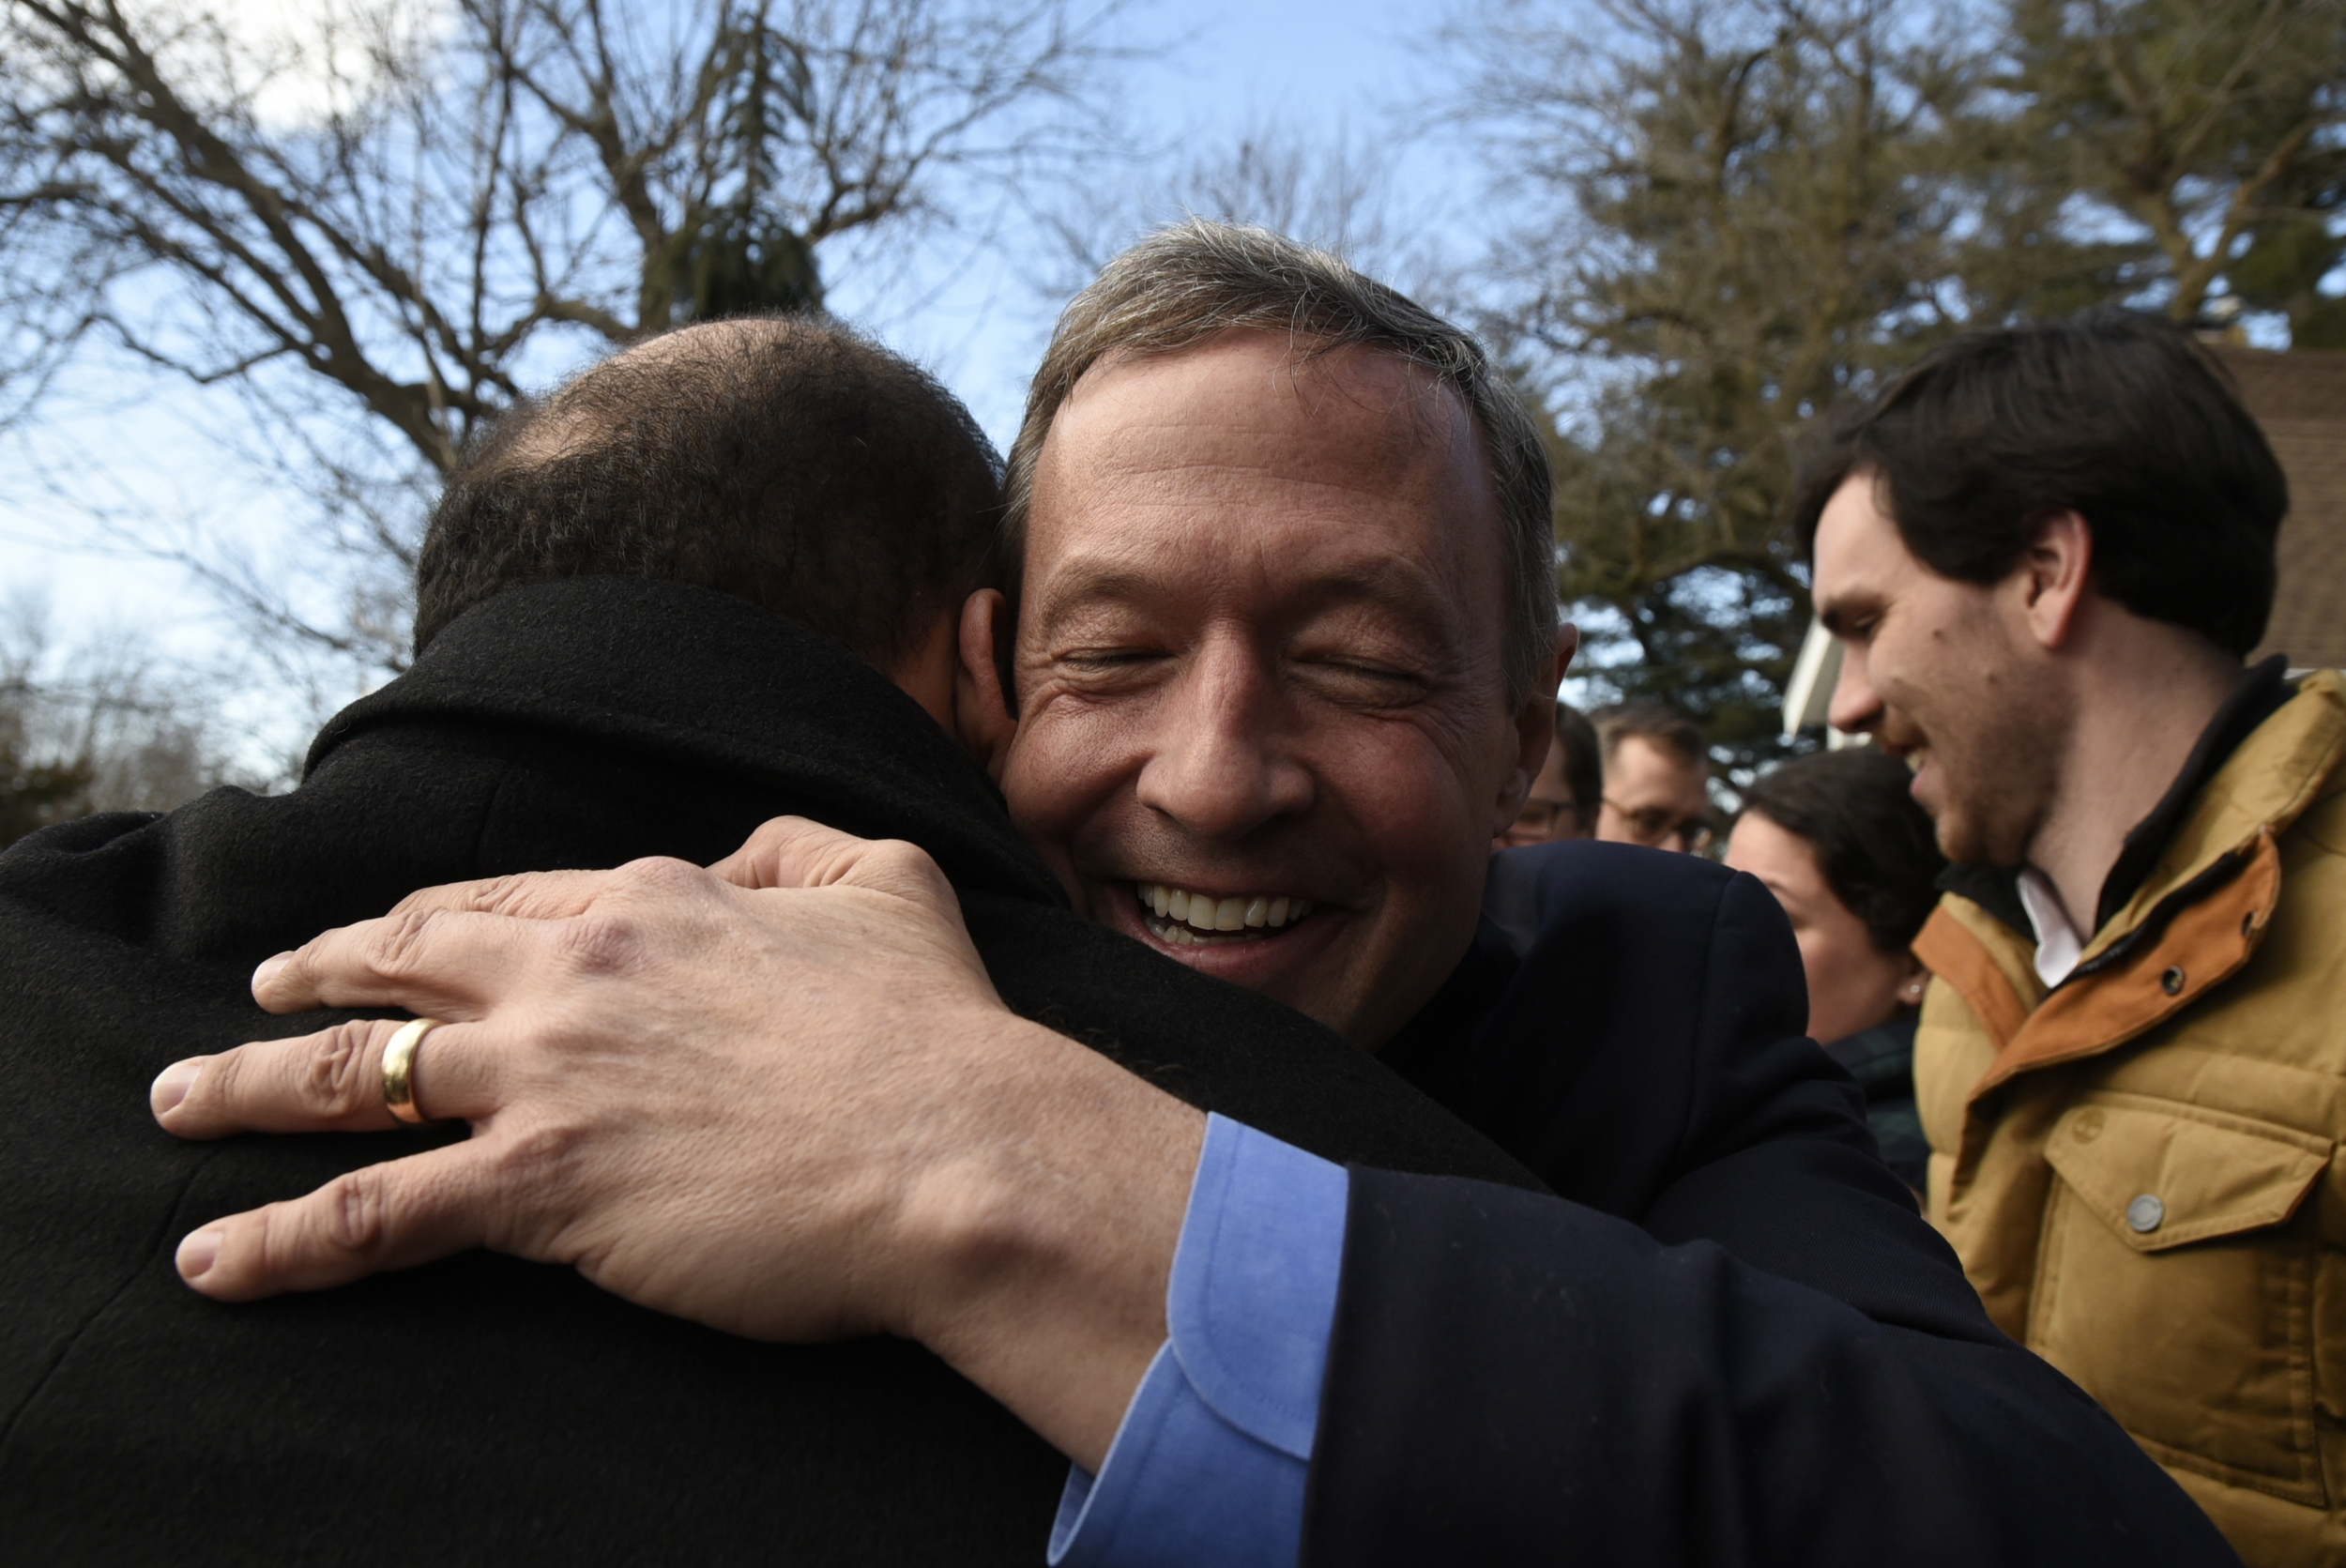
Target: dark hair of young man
x,y
1664,727
1878,848
1583,764
786,460
2120,416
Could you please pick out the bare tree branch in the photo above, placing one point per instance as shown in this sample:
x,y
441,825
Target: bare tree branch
x,y
392,214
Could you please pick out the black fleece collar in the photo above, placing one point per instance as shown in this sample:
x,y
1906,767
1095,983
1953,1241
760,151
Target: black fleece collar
x,y
687,674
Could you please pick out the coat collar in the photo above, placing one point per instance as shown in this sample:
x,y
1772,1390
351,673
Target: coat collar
x,y
2201,909
2260,694
2265,783
714,683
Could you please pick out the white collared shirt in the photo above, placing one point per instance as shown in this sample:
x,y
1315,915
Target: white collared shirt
x,y
2058,943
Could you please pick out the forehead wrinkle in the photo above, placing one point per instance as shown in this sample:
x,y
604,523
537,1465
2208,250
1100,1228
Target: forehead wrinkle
x,y
1443,430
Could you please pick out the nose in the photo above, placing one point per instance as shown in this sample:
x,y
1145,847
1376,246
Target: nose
x,y
1223,760
1855,708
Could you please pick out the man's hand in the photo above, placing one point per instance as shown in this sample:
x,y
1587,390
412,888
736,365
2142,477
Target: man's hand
x,y
779,1097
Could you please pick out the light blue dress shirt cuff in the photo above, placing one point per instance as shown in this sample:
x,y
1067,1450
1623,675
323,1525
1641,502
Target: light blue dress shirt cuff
x,y
1209,1463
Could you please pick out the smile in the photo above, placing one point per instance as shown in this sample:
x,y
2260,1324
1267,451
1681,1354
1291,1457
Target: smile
x,y
1180,918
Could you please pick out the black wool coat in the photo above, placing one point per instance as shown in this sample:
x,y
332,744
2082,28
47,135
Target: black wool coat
x,y
481,1410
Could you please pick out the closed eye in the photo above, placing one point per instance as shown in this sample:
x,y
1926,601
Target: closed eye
x,y
1109,669
1355,680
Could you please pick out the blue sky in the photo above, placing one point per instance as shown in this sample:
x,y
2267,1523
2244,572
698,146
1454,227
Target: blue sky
x,y
1310,65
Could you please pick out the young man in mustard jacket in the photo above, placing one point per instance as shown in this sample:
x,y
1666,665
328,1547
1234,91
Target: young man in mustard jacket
x,y
2046,552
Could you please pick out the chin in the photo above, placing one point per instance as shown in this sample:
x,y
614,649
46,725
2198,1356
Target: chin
x,y
1975,840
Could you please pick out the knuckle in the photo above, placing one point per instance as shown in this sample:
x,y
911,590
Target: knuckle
x,y
899,855
599,943
775,830
221,1086
397,943
909,866
354,1217
335,1080
504,894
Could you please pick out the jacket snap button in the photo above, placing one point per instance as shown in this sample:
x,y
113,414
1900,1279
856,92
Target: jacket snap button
x,y
2147,1214
2088,1125
2172,981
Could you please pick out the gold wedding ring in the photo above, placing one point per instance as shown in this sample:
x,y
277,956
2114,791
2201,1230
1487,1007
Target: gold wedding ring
x,y
399,1071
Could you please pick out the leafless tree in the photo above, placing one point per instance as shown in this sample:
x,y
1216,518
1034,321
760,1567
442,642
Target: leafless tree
x,y
382,221
103,722
1327,187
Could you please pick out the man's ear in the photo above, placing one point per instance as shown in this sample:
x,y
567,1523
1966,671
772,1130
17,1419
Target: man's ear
x,y
982,710
1534,727
2056,572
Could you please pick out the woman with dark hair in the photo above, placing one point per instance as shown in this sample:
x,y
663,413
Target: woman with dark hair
x,y
1855,862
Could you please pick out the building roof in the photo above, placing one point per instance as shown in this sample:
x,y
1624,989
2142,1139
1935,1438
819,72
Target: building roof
x,y
2300,399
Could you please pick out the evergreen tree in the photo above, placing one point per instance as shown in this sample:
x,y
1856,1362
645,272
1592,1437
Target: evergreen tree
x,y
1744,211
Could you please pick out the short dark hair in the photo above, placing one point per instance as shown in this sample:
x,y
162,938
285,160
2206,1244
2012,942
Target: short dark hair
x,y
2120,416
1878,848
1664,727
786,460
1584,763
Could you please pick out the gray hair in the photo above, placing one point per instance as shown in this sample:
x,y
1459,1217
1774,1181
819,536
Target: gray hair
x,y
1194,281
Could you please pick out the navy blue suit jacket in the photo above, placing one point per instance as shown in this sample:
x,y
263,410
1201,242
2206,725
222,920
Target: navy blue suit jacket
x,y
1735,1340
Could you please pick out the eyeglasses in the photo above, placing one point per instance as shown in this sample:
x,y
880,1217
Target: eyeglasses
x,y
1655,826
1542,820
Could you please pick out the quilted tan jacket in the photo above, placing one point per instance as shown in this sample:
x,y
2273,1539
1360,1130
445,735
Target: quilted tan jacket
x,y
2141,1169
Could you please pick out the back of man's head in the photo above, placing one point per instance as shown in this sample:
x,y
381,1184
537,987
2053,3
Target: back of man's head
x,y
1193,282
2119,416
784,461
1664,728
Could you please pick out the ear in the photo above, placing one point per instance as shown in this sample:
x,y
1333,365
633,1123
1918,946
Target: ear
x,y
982,710
2056,573
1534,730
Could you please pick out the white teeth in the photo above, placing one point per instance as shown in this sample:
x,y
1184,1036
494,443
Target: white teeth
x,y
1184,917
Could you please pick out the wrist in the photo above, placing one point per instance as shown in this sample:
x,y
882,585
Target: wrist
x,y
1036,1237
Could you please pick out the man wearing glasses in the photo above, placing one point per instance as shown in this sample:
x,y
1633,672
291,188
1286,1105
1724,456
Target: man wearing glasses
x,y
1567,796
1657,779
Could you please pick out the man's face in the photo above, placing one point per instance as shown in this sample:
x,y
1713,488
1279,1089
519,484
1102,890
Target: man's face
x,y
1941,674
1654,797
1260,670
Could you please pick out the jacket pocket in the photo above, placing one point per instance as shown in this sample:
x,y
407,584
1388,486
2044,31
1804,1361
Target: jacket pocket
x,y
2170,1288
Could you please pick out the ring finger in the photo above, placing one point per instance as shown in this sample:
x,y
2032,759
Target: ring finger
x,y
327,1082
